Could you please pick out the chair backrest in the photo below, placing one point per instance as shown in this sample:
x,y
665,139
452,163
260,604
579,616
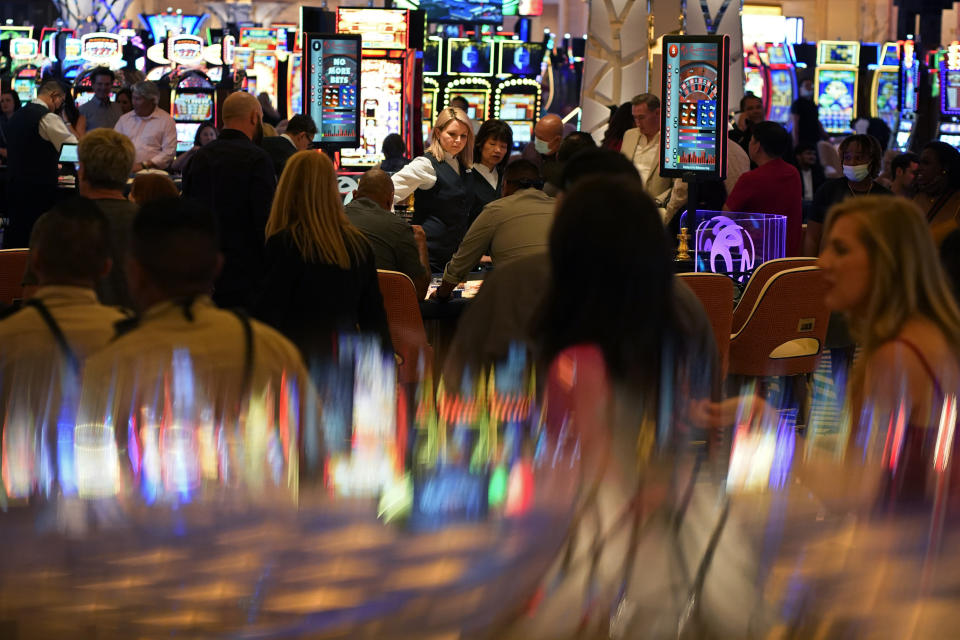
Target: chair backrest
x,y
715,292
13,262
784,332
406,324
759,278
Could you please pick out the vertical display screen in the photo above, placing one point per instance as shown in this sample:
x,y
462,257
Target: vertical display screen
x,y
693,127
781,95
295,85
753,81
888,103
432,55
949,90
379,28
836,97
381,93
332,87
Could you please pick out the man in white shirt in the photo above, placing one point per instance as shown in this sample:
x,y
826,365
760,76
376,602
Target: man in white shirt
x,y
35,135
151,129
642,145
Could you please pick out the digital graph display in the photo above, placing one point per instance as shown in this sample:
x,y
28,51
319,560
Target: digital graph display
x,y
693,126
332,87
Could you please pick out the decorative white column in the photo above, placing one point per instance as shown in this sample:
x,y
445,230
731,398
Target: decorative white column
x,y
106,14
617,63
720,17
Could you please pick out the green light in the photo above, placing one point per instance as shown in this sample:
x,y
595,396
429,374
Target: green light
x,y
498,486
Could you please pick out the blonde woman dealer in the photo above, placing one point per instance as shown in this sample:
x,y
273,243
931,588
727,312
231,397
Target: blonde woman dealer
x,y
443,190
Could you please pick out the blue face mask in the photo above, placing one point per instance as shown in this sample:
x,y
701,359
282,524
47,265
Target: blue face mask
x,y
541,146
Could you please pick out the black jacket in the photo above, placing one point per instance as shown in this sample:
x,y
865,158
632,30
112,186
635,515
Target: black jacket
x,y
279,149
235,178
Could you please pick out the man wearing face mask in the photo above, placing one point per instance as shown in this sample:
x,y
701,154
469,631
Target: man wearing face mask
x,y
35,134
860,155
774,186
542,152
235,178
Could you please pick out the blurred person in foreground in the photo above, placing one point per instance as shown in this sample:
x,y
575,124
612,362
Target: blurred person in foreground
x,y
147,187
882,270
215,364
320,278
620,350
938,188
235,178
861,158
397,246
44,345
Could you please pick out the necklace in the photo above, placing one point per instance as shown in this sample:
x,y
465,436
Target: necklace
x,y
860,193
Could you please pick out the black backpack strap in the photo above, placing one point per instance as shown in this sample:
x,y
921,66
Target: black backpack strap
x,y
57,332
248,356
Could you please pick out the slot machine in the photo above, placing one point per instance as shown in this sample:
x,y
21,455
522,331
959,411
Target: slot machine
x,y
432,69
885,87
835,84
754,77
949,129
97,50
263,62
781,80
391,80
192,93
7,33
908,81
26,63
469,65
518,97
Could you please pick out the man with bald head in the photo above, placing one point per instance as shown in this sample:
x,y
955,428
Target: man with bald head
x,y
542,152
396,245
234,177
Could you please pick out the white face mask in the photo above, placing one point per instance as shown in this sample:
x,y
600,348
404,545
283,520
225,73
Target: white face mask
x,y
541,146
856,172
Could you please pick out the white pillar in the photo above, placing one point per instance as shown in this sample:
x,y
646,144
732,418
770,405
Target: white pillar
x,y
723,19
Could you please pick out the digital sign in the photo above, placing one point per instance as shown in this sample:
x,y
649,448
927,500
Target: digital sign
x,y
432,55
24,48
693,136
781,95
457,11
838,52
909,76
101,48
520,58
950,81
469,58
261,38
379,28
185,49
381,91
331,86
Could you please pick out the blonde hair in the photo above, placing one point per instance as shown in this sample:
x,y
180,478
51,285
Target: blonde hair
x,y
446,117
307,205
906,276
107,158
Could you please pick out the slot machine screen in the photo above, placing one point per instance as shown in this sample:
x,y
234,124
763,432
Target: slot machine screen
x,y
781,95
518,106
476,103
887,97
836,97
520,58
295,86
777,54
694,86
25,85
432,55
265,69
522,132
331,87
381,98
847,53
186,134
753,81
192,107
379,28
469,58
949,90
456,11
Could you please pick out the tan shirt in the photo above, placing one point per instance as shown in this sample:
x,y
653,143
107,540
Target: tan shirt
x,y
172,372
36,380
509,228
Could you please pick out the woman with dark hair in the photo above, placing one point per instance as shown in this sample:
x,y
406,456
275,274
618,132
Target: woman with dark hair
x,y
491,152
861,159
621,121
393,150
206,133
9,103
938,188
124,100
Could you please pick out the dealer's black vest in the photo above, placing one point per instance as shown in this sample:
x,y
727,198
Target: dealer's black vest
x,y
444,212
31,160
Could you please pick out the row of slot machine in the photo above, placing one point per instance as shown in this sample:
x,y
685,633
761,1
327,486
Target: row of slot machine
x,y
854,80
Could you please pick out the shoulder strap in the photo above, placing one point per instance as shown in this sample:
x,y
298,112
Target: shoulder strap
x,y
923,362
248,356
54,328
